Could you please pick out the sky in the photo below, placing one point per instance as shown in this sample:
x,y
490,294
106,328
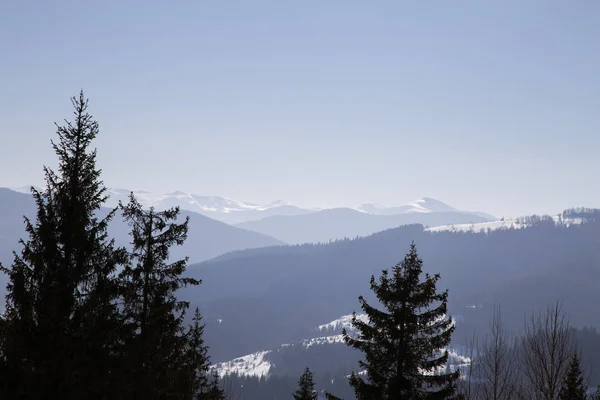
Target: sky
x,y
488,106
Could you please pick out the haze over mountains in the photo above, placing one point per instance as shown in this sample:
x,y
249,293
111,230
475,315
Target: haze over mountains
x,y
214,236
524,268
339,223
292,224
236,211
216,207
262,298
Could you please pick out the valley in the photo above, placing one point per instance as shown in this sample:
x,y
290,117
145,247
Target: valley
x,y
265,301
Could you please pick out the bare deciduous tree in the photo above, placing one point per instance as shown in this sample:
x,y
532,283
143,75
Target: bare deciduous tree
x,y
547,349
467,387
496,367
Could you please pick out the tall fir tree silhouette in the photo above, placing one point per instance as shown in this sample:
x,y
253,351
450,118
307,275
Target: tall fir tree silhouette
x,y
60,326
574,387
195,367
164,358
403,343
306,387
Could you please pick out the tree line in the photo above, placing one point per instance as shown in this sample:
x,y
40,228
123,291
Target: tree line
x,y
405,357
84,318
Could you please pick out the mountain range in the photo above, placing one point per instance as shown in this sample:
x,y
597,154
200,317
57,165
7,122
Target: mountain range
x,y
235,211
273,294
262,298
295,225
207,238
339,223
268,362
216,207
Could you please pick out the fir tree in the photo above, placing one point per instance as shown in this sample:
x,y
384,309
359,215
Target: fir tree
x,y
596,395
196,365
306,387
329,396
213,390
402,344
60,327
165,359
574,387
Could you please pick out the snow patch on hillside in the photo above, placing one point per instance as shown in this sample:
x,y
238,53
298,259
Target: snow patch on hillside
x,y
255,364
505,223
322,340
258,364
189,201
456,361
480,227
344,322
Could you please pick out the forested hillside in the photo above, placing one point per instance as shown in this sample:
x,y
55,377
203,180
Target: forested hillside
x,y
258,291
339,223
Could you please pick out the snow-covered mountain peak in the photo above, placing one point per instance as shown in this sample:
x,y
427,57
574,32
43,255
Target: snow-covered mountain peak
x,y
191,201
25,189
371,208
280,203
235,212
428,204
421,205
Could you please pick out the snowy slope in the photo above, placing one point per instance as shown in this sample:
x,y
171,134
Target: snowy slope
x,y
220,208
255,364
344,322
261,363
235,211
422,205
505,223
191,201
25,189
207,238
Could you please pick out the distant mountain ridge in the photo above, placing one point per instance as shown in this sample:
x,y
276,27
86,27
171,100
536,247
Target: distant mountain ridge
x,y
220,208
207,238
339,223
524,264
422,205
216,207
235,211
294,225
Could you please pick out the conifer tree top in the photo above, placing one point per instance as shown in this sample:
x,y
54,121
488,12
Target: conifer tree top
x,y
306,387
60,303
403,342
574,387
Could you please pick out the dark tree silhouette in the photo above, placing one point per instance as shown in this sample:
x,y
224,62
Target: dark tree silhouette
x,y
306,387
60,324
165,360
574,387
403,344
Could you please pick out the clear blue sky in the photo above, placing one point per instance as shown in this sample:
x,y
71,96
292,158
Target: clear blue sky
x,y
486,105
